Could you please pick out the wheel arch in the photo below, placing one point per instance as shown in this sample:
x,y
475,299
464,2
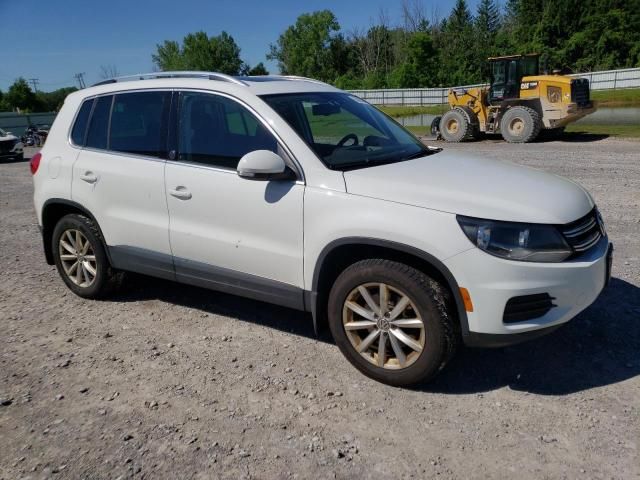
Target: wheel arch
x,y
52,211
341,253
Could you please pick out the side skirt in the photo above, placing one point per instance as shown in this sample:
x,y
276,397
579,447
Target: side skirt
x,y
206,276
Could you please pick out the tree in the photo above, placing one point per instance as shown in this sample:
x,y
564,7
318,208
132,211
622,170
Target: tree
x,y
259,69
108,71
486,27
20,96
308,47
4,106
52,101
200,52
456,44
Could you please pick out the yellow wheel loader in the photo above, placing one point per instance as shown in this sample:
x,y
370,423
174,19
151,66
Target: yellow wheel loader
x,y
518,104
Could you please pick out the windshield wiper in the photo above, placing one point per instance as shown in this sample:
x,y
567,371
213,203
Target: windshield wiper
x,y
367,162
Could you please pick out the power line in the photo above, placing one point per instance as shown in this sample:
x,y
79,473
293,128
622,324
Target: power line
x,y
80,78
34,82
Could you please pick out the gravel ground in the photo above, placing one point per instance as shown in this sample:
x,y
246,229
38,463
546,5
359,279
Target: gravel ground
x,y
170,381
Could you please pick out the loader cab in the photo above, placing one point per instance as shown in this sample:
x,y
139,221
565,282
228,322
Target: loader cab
x,y
507,74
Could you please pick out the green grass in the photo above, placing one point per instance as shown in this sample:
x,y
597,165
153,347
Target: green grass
x,y
622,97
628,131
400,111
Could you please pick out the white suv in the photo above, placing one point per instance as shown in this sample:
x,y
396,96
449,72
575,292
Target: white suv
x,y
290,191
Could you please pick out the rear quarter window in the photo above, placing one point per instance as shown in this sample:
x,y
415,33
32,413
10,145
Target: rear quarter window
x,y
99,123
79,130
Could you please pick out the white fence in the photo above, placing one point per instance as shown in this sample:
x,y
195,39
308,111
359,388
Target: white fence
x,y
605,80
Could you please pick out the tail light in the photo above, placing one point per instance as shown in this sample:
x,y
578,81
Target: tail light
x,y
35,163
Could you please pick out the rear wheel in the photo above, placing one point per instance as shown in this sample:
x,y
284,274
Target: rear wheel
x,y
391,321
456,126
81,259
520,125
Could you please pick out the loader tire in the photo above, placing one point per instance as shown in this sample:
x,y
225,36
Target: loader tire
x,y
520,125
456,126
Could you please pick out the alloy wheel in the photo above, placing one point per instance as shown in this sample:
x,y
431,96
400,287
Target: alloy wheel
x,y
383,325
77,257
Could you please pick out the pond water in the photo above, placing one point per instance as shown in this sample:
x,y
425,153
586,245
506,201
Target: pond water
x,y
612,116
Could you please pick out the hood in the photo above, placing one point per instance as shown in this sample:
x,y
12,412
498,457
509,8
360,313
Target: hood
x,y
455,182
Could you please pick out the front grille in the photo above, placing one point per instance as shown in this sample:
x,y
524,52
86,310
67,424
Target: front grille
x,y
527,307
6,146
580,92
584,233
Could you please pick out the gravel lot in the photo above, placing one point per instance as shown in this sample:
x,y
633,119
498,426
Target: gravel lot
x,y
169,381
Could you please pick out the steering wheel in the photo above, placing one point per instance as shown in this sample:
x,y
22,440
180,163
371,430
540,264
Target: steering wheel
x,y
346,138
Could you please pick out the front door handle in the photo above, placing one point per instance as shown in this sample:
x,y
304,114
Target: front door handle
x,y
181,193
89,177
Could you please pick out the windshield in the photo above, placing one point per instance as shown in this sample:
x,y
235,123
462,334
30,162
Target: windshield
x,y
345,131
3,133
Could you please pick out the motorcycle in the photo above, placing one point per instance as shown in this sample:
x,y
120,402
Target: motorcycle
x,y
32,137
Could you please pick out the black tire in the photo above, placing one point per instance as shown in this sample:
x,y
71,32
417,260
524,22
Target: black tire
x,y
432,304
520,125
435,127
106,279
456,126
19,158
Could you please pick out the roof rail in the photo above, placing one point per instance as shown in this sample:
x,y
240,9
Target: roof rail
x,y
178,74
306,79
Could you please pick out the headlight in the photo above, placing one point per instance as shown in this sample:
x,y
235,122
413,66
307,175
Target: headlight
x,y
516,241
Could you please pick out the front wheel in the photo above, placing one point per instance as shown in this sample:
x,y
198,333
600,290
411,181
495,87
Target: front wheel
x,y
81,259
520,125
391,321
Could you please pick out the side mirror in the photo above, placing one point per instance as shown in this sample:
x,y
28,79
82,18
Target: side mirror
x,y
264,165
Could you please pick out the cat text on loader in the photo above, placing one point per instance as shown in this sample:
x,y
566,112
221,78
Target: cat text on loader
x,y
519,104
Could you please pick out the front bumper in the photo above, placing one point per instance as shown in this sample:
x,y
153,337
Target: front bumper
x,y
492,281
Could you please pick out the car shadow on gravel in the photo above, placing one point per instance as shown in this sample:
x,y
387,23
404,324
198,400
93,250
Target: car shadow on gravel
x,y
574,137
14,160
140,288
597,348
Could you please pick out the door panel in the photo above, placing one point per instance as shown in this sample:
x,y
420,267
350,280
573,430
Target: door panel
x,y
225,230
124,190
126,195
253,227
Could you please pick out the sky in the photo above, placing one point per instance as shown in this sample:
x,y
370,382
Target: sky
x,y
53,40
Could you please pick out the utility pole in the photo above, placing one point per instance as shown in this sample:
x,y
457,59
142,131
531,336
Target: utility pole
x,y
34,82
80,78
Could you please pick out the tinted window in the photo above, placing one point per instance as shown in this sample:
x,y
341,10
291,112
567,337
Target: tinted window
x,y
80,127
137,123
99,124
218,131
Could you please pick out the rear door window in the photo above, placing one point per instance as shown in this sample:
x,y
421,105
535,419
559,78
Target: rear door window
x,y
99,124
138,123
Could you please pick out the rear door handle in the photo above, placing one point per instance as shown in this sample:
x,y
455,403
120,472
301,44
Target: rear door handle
x,y
89,177
181,193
